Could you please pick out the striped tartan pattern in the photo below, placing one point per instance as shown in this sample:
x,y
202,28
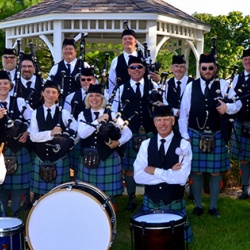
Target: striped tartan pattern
x,y
128,160
244,145
21,178
215,162
74,156
175,206
107,176
39,186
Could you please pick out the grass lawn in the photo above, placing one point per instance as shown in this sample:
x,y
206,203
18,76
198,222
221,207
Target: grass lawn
x,y
230,232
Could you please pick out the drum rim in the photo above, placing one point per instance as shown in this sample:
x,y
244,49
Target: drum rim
x,y
11,230
28,239
155,225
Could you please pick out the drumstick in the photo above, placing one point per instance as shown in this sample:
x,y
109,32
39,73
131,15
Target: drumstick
x,y
1,148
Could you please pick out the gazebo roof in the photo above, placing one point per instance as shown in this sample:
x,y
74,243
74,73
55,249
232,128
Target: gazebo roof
x,y
102,6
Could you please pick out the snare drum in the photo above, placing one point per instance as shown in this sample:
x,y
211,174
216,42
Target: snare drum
x,y
11,234
72,216
158,230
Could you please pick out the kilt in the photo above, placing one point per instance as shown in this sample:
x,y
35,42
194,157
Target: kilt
x,y
174,206
214,162
74,155
107,176
130,155
39,186
235,152
21,178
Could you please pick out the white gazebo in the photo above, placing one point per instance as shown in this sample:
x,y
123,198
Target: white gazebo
x,y
155,22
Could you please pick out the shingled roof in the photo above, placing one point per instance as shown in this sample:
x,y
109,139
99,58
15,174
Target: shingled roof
x,y
102,6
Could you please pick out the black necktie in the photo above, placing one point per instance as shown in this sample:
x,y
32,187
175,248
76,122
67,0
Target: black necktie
x,y
28,84
4,104
96,115
49,116
178,89
207,89
68,69
137,91
162,151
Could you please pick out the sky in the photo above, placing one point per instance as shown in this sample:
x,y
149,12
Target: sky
x,y
214,7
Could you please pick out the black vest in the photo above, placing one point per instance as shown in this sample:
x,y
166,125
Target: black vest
x,y
140,105
14,114
164,192
33,99
80,106
200,106
172,97
70,84
244,95
122,69
93,140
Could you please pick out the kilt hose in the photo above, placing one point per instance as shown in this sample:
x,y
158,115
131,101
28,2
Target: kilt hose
x,y
240,145
39,186
216,161
107,176
21,178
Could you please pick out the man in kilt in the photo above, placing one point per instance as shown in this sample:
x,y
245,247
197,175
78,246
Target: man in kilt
x,y
104,170
50,126
200,122
240,143
14,120
132,99
164,174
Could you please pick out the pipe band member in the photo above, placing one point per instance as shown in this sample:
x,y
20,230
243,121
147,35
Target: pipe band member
x,y
47,130
106,174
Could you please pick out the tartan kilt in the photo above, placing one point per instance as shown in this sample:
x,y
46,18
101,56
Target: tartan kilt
x,y
215,162
130,155
21,178
74,155
235,152
107,176
39,186
175,206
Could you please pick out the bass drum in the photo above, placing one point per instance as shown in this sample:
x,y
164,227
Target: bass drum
x,y
71,216
159,230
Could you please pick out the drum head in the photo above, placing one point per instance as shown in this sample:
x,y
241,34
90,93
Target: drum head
x,y
68,219
9,225
158,218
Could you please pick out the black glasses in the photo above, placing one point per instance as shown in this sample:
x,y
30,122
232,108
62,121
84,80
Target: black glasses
x,y
136,67
86,79
9,57
205,68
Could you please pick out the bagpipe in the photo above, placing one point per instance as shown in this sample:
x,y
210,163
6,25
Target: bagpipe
x,y
226,121
155,95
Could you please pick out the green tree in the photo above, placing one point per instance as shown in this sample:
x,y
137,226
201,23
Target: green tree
x,y
233,35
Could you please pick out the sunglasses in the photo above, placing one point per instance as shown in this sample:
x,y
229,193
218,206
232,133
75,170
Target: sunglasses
x,y
86,79
9,57
205,68
136,67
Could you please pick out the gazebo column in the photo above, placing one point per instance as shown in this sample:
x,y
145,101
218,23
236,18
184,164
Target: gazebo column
x,y
57,38
151,38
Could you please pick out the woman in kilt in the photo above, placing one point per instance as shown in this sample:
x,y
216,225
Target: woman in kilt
x,y
48,128
200,122
14,120
240,144
104,171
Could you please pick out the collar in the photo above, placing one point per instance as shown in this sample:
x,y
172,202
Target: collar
x,y
71,63
168,138
126,55
133,83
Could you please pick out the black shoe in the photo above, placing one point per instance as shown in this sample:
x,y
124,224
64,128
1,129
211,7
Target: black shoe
x,y
131,206
243,196
198,211
214,212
